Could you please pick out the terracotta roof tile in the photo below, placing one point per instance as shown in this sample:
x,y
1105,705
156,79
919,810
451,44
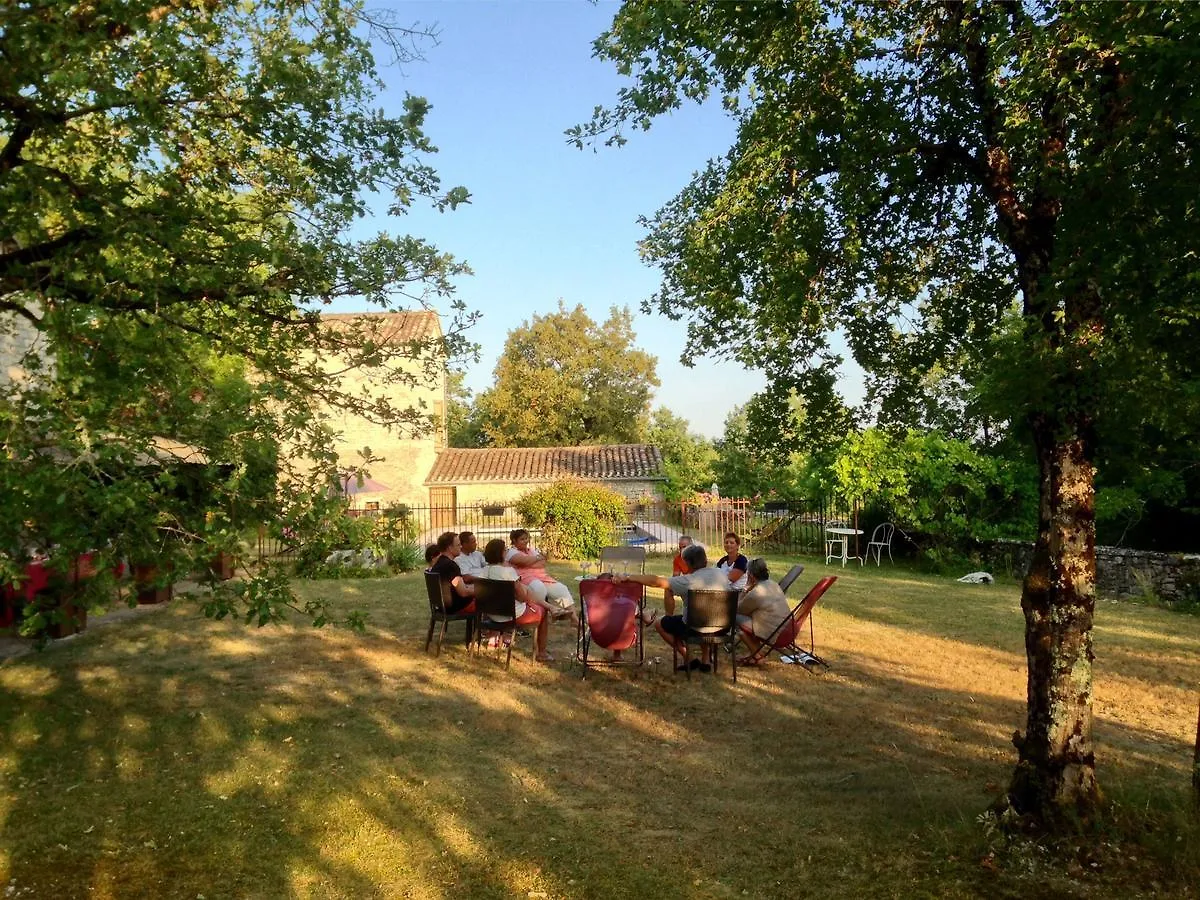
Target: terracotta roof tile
x,y
612,462
396,326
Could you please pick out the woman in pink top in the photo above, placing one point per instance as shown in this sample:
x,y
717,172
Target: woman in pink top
x,y
531,567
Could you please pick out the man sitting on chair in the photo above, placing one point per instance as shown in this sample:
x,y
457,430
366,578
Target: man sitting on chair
x,y
462,594
470,560
678,566
703,577
763,606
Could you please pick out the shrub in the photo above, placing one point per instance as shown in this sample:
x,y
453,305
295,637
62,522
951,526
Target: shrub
x,y
576,517
383,534
405,556
930,483
331,572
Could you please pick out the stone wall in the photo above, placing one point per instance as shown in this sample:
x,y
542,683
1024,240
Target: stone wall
x,y
18,337
404,461
1119,572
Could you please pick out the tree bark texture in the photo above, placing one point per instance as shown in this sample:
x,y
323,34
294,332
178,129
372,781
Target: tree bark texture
x,y
1196,760
1055,775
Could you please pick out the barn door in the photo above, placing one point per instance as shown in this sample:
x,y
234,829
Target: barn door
x,y
443,512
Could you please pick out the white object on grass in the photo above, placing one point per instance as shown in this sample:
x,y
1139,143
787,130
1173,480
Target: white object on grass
x,y
977,578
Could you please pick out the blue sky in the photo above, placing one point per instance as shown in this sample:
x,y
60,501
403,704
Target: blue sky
x,y
547,221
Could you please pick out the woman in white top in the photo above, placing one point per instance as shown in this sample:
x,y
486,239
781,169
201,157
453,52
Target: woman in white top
x,y
528,612
733,564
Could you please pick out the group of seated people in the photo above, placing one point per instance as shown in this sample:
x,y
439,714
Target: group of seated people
x,y
762,607
457,559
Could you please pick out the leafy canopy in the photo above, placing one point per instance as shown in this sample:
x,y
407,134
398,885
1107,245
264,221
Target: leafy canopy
x,y
902,171
179,184
564,380
688,458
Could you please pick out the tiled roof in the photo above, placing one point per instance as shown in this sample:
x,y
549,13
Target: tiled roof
x,y
614,462
395,326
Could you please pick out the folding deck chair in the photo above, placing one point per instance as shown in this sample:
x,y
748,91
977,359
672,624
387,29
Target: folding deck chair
x,y
784,639
440,603
793,573
610,617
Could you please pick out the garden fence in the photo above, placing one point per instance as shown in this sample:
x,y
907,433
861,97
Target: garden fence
x,y
777,527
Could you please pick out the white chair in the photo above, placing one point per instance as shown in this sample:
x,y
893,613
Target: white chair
x,y
835,548
881,537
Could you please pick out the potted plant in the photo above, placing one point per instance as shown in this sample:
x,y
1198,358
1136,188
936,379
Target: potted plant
x,y
148,581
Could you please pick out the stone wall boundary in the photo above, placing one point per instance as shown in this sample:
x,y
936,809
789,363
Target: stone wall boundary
x,y
1120,573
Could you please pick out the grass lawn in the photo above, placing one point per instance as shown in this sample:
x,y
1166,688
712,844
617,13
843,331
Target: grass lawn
x,y
170,756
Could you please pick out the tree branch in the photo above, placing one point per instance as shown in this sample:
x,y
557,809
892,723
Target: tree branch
x,y
41,252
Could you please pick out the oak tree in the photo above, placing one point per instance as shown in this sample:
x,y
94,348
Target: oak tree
x,y
180,181
563,380
905,174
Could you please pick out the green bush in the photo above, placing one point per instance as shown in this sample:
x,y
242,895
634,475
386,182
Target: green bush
x,y
383,534
405,556
929,483
576,517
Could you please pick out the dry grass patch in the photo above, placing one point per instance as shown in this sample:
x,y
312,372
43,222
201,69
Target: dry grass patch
x,y
172,756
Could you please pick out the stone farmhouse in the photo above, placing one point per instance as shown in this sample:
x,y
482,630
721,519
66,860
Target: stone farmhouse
x,y
420,471
404,457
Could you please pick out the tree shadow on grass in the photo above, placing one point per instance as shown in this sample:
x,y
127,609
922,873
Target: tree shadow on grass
x,y
182,758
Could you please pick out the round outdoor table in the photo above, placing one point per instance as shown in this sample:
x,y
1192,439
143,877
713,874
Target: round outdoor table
x,y
843,536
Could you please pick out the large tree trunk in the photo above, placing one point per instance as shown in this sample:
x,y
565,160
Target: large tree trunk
x,y
1055,776
1196,760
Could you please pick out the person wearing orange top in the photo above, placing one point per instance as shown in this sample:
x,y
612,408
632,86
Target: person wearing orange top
x,y
678,566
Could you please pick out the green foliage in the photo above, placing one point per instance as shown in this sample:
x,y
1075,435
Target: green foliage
x,y
388,536
405,556
181,185
576,518
770,449
929,483
747,466
464,427
688,459
563,380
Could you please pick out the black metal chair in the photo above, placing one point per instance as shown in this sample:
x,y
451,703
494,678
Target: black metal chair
x,y
711,618
496,611
441,602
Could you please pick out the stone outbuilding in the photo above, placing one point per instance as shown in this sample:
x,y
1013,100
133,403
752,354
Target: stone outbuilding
x,y
500,476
